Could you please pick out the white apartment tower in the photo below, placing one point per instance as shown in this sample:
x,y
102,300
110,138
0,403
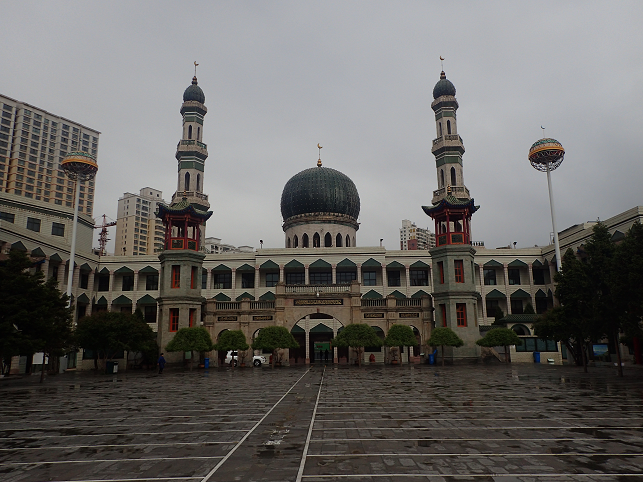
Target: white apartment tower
x,y
33,143
412,237
138,230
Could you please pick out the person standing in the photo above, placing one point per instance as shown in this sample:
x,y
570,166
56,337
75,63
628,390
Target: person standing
x,y
326,353
161,363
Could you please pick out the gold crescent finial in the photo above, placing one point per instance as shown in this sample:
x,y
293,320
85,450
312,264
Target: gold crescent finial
x,y
195,65
442,62
319,163
318,146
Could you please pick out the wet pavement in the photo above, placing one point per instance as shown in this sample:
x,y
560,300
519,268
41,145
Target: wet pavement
x,y
481,423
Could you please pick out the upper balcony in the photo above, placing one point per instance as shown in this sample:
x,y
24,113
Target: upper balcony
x,y
193,147
451,142
457,191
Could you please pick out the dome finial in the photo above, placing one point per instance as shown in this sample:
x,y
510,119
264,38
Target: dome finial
x,y
194,78
319,163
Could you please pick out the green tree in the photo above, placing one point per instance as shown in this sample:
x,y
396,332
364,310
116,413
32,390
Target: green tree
x,y
628,282
33,312
400,335
195,338
444,336
109,332
233,340
500,337
529,310
274,338
357,336
498,315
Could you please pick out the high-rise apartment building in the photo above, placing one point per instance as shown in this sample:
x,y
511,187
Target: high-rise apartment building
x,y
412,237
138,230
33,143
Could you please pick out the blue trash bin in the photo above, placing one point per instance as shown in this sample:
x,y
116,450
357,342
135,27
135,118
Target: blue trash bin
x,y
206,363
536,357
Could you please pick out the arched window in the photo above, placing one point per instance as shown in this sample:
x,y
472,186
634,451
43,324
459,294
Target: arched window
x,y
198,133
304,241
338,240
328,241
189,132
288,243
198,182
316,240
448,127
295,241
440,126
441,177
348,241
187,182
353,241
453,183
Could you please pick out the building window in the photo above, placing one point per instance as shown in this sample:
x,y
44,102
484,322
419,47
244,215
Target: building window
x,y
10,218
369,278
459,271
103,282
320,277
328,240
441,271
295,278
57,229
223,281
338,240
393,278
33,224
461,313
204,279
539,276
492,307
489,277
514,276
190,137
152,282
295,243
84,280
516,307
453,178
174,319
536,344
304,241
187,181
193,277
149,312
192,316
176,276
272,279
419,277
316,240
541,305
128,282
348,241
443,314
346,276
247,280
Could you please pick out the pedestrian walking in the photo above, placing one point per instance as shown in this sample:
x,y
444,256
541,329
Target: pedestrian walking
x,y
161,363
326,355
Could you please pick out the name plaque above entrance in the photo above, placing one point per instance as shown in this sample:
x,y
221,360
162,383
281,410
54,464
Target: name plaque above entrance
x,y
227,318
409,315
317,301
373,315
261,317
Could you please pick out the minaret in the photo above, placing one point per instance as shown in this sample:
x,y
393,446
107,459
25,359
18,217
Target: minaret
x,y
454,297
191,152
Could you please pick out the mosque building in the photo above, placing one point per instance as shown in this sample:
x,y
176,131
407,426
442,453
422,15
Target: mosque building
x,y
322,279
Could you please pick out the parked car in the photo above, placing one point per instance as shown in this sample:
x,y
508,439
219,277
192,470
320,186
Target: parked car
x,y
257,360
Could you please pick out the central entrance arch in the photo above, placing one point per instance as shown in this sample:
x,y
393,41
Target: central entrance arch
x,y
314,333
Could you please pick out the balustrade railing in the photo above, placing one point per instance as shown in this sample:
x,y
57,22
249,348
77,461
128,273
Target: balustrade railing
x,y
455,190
262,305
192,142
374,302
228,305
408,302
447,137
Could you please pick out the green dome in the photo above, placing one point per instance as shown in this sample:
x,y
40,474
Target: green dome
x,y
194,92
443,87
319,190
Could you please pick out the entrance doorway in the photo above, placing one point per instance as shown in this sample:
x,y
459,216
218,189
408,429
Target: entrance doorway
x,y
314,333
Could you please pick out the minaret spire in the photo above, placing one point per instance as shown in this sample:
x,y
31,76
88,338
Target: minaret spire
x,y
319,163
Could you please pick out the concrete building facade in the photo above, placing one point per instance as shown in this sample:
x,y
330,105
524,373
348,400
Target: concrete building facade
x,y
138,230
412,237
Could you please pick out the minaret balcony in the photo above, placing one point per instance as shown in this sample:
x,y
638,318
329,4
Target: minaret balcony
x,y
177,196
448,142
191,147
461,192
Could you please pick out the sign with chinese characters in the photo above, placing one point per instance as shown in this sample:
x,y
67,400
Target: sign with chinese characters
x,y
373,315
409,315
317,301
227,318
261,317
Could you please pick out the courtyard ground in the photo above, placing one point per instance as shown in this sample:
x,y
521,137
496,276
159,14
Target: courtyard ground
x,y
481,423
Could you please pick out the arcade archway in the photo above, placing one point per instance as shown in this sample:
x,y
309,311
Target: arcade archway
x,y
314,333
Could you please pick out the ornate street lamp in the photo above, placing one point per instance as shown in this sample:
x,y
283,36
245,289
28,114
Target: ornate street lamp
x,y
546,155
79,166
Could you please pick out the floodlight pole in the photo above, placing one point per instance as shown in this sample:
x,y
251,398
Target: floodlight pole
x,y
559,261
70,276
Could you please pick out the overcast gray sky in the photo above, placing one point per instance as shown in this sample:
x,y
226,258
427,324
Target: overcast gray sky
x,y
357,77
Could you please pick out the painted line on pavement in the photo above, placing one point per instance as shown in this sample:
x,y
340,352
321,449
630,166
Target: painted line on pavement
x,y
310,431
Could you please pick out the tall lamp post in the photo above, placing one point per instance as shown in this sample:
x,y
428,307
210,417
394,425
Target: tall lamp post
x,y
79,166
546,155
